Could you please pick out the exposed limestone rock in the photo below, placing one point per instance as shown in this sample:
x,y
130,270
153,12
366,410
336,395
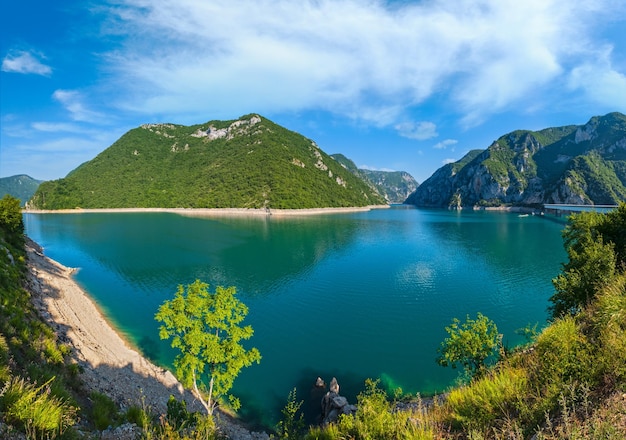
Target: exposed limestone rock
x,y
237,128
297,162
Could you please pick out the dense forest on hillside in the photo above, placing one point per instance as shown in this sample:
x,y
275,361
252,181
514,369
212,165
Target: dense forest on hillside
x,y
21,187
247,163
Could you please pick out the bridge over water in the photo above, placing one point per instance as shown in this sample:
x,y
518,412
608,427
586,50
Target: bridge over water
x,y
561,209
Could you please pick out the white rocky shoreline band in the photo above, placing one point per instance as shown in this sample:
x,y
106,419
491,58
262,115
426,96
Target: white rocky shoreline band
x,y
211,212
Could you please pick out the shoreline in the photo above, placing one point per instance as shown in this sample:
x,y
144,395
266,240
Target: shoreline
x,y
109,364
214,212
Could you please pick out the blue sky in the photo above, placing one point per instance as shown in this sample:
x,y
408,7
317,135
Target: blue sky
x,y
393,85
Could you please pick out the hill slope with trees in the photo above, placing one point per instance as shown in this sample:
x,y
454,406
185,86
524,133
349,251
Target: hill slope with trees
x,y
583,164
247,163
21,187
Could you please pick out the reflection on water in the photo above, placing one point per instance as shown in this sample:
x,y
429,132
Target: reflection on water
x,y
349,295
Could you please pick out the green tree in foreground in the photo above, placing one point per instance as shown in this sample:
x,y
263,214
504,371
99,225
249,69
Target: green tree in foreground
x,y
596,249
469,344
11,219
205,327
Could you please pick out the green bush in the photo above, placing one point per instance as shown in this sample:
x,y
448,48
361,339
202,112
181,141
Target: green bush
x,y
486,400
104,412
34,407
178,415
291,425
565,354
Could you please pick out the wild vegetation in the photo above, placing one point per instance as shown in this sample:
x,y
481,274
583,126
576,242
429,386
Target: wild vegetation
x,y
248,163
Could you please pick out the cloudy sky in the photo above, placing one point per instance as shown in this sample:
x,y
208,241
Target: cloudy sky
x,y
394,85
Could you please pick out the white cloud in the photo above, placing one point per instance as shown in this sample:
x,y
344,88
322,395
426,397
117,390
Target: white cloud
x,y
417,130
601,82
73,102
363,59
445,144
55,127
50,156
370,168
448,160
25,62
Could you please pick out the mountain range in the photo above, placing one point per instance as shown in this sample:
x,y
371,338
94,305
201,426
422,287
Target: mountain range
x,y
245,163
574,164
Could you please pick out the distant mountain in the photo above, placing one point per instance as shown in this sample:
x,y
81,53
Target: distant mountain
x,y
246,163
583,164
20,186
395,186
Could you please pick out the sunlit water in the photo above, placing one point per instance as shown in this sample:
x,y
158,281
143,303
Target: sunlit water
x,y
356,296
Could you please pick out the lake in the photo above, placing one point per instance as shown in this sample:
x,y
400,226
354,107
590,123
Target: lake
x,y
356,296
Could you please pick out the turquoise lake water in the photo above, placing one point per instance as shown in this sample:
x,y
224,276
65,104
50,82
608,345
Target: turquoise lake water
x,y
356,296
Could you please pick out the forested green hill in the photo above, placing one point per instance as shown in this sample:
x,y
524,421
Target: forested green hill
x,y
21,187
583,164
246,163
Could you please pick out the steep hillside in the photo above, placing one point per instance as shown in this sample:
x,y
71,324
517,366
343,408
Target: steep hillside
x,y
395,186
21,187
573,164
246,163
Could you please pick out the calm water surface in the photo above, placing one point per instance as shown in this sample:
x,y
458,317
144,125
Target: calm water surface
x,y
356,296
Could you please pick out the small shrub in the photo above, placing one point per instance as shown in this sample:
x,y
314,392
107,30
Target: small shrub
x,y
565,355
291,425
484,401
178,415
137,415
104,412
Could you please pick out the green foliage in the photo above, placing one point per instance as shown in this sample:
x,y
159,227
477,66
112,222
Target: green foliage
x,y
104,412
137,415
469,344
205,327
564,355
28,347
292,423
35,408
11,219
258,164
596,248
177,414
377,418
21,187
493,397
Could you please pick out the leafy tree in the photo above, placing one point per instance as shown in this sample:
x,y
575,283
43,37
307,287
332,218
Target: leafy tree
x,y
469,344
11,216
205,327
596,249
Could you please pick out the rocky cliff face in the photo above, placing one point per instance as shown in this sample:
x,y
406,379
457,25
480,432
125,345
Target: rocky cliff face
x,y
394,186
573,164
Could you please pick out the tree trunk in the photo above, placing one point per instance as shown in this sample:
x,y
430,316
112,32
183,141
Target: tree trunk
x,y
207,406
